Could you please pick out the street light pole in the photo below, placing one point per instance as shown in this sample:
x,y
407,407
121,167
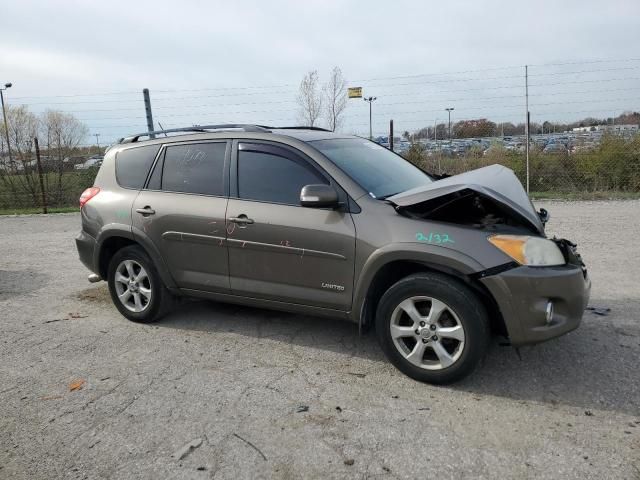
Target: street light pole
x,y
6,125
97,140
449,110
370,100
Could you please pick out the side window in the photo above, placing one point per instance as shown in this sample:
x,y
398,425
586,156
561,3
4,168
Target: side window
x,y
194,168
132,165
273,178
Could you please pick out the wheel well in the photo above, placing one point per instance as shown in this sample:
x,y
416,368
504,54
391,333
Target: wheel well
x,y
110,246
392,272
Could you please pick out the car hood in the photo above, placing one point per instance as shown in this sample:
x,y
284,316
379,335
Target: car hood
x,y
497,182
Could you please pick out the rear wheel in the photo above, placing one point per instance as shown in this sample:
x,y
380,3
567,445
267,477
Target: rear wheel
x,y
432,327
136,287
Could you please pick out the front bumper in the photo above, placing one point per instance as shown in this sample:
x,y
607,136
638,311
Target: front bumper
x,y
86,246
522,294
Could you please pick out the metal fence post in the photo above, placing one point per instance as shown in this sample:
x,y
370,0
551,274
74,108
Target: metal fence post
x,y
147,109
41,176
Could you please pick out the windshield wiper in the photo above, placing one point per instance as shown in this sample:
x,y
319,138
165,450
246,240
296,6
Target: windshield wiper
x,y
390,195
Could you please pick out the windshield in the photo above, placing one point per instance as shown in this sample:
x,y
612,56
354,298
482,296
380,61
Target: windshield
x,y
379,171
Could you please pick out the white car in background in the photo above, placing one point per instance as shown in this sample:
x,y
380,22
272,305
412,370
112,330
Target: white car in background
x,y
95,161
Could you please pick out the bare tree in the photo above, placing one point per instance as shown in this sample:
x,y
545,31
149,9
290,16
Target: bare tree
x,y
335,99
62,133
309,99
19,177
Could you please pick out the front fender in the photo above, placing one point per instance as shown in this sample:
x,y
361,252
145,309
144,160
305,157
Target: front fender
x,y
433,256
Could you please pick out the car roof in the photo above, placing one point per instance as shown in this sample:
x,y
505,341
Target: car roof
x,y
304,134
307,135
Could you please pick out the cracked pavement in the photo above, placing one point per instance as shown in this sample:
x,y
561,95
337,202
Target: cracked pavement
x,y
224,387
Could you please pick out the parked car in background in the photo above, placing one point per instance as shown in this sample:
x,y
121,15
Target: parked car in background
x,y
555,148
94,161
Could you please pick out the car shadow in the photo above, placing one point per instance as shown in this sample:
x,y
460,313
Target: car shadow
x,y
594,367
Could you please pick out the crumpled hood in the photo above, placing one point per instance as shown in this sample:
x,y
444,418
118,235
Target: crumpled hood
x,y
495,181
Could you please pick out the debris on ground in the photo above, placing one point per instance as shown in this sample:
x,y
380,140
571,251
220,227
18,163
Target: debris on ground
x,y
602,311
588,413
77,315
187,449
339,410
349,461
302,408
356,374
76,385
251,445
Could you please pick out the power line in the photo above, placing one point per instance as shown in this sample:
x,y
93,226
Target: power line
x,y
249,87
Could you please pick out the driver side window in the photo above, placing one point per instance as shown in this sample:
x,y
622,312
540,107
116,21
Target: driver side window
x,y
266,176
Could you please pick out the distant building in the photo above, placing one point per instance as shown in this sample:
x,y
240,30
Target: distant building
x,y
609,128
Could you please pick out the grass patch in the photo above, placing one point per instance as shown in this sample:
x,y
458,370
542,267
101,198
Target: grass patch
x,y
27,211
608,195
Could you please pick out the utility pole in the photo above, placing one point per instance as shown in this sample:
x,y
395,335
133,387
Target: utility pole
x,y
391,135
526,126
370,100
147,109
97,140
6,124
449,110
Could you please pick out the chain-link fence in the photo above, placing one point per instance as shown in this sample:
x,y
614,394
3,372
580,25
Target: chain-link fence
x,y
573,167
560,166
582,117
57,185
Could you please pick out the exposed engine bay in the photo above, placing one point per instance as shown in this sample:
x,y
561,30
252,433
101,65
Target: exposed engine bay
x,y
470,208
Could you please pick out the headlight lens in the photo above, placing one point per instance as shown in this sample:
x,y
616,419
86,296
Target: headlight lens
x,y
532,251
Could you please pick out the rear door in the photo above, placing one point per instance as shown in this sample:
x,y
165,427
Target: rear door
x,y
279,250
182,210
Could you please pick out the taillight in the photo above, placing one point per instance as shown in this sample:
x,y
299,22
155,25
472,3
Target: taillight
x,y
88,194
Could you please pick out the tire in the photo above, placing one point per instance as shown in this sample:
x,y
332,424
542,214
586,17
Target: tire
x,y
454,336
155,301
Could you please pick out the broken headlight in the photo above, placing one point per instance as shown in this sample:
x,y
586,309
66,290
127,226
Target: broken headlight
x,y
531,251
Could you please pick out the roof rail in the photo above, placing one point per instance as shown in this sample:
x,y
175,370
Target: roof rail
x,y
196,128
302,127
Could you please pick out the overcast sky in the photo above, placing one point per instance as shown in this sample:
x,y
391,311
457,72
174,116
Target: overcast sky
x,y
199,57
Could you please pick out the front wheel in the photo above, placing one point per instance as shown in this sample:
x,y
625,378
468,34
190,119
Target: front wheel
x,y
432,327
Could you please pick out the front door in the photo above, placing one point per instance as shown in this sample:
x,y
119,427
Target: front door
x,y
279,250
182,211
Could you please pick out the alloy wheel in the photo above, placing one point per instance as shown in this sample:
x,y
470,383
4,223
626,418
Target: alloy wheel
x,y
133,286
427,332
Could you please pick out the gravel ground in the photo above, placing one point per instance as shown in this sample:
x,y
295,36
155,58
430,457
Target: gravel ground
x,y
218,391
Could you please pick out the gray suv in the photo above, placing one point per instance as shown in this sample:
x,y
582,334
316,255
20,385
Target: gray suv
x,y
315,222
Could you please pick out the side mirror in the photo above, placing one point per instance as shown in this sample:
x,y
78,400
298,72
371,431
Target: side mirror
x,y
318,196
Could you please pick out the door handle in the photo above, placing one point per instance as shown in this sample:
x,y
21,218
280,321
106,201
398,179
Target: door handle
x,y
241,220
146,211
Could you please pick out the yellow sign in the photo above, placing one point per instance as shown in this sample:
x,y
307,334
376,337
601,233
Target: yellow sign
x,y
355,92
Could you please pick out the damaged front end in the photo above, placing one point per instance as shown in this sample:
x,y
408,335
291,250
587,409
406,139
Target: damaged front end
x,y
543,292
488,198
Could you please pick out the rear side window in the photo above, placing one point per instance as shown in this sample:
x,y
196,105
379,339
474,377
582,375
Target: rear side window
x,y
132,165
273,178
194,168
